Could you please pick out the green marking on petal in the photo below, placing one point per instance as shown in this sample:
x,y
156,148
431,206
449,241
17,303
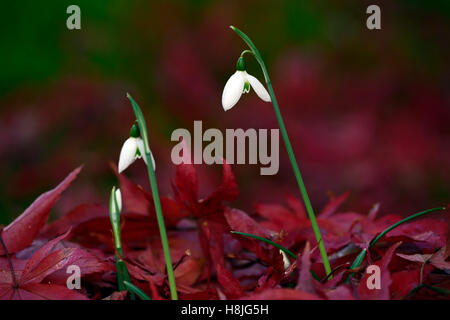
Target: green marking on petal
x,y
138,154
246,87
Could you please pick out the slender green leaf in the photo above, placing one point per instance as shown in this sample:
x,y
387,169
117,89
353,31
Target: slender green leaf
x,y
287,251
359,259
156,200
290,151
441,291
122,274
133,289
395,225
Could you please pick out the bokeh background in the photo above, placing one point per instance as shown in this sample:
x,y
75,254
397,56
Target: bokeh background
x,y
367,111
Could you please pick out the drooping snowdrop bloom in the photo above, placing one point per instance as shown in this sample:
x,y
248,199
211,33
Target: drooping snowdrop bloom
x,y
132,149
241,82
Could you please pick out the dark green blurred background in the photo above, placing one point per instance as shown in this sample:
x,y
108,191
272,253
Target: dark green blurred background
x,y
368,111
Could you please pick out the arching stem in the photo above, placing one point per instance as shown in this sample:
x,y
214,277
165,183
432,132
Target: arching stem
x,y
289,149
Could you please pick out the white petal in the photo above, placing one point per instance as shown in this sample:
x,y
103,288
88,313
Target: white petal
x,y
119,199
258,87
140,144
127,154
233,90
286,261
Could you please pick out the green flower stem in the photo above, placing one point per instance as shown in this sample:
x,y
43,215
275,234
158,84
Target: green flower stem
x,y
246,51
121,268
287,251
287,142
159,215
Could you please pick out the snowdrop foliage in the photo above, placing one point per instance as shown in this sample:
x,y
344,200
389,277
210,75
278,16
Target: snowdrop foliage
x,y
241,82
133,149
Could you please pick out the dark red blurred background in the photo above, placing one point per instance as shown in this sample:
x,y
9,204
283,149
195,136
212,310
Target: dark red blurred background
x,y
367,111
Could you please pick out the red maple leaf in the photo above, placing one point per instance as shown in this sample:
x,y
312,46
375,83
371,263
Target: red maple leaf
x,y
32,278
21,232
209,213
25,279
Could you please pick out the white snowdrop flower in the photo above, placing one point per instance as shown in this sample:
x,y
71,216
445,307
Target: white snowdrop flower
x,y
132,149
241,82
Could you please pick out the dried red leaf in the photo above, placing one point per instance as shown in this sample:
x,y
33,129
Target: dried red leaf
x,y
27,283
332,206
73,219
437,259
21,232
405,281
379,294
239,221
305,280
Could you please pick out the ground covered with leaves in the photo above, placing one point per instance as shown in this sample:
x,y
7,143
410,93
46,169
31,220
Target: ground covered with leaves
x,y
210,262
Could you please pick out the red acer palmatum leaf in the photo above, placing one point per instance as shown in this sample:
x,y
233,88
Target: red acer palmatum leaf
x,y
428,230
406,280
447,239
74,218
437,259
383,293
238,220
117,295
211,236
31,271
21,232
305,281
186,185
41,291
342,292
186,191
136,200
185,252
231,285
212,225
277,217
228,190
209,294
333,205
296,205
25,279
